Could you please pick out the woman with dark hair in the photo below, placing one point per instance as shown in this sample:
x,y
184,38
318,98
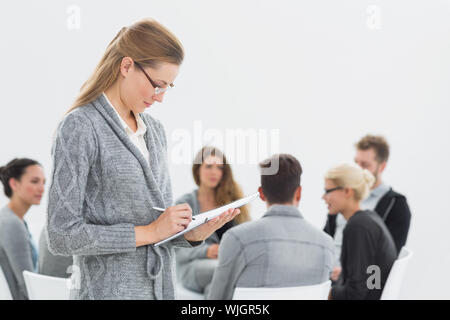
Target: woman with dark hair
x,y
216,187
23,183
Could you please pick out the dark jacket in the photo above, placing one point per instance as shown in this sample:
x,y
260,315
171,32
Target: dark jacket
x,y
393,210
368,253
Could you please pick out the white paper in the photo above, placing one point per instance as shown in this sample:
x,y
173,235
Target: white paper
x,y
208,215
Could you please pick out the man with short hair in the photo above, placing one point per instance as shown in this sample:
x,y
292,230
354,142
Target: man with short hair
x,y
279,250
372,153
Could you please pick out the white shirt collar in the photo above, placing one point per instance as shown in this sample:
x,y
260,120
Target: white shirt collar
x,y
141,127
380,190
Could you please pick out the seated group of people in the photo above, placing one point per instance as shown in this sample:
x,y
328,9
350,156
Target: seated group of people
x,y
367,225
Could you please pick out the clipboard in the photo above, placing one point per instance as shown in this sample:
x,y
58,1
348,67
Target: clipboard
x,y
211,214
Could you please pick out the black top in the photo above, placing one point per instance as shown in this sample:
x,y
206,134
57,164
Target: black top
x,y
366,246
394,211
224,228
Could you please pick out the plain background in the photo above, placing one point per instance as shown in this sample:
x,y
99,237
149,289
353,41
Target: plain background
x,y
324,73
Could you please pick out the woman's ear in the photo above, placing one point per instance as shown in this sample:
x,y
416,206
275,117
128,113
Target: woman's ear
x,y
349,193
125,66
12,184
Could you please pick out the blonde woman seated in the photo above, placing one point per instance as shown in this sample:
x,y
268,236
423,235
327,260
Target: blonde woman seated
x,y
216,187
368,250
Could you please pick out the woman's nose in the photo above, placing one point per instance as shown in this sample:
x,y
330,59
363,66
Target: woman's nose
x,y
159,97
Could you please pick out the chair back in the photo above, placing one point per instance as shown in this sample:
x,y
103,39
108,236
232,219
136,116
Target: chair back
x,y
41,287
391,290
314,292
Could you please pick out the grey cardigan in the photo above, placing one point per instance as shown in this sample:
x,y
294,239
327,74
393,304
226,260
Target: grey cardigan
x,y
102,187
15,252
279,250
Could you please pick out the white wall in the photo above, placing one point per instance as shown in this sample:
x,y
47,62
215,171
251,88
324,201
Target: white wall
x,y
323,73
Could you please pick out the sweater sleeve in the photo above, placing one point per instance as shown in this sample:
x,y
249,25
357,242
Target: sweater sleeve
x,y
14,238
74,152
359,248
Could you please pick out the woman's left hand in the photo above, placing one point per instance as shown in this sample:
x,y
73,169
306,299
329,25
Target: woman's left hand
x,y
205,230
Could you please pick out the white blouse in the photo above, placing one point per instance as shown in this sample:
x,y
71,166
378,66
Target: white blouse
x,y
136,137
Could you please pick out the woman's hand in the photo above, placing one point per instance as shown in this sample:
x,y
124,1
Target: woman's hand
x,y
213,251
205,230
171,221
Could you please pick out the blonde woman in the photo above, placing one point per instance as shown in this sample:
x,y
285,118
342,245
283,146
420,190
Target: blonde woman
x,y
111,168
216,186
368,250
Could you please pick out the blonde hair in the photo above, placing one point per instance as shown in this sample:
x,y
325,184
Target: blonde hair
x,y
146,42
353,177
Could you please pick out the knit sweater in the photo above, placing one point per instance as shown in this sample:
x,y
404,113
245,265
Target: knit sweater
x,y
102,187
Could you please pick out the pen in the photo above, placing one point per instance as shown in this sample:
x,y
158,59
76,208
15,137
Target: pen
x,y
162,210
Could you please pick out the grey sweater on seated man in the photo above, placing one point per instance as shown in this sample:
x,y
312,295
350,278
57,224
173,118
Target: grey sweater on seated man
x,y
279,250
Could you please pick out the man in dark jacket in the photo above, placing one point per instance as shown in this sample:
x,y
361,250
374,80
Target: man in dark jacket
x,y
372,153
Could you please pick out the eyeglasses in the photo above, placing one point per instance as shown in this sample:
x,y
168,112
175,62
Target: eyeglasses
x,y
158,89
327,191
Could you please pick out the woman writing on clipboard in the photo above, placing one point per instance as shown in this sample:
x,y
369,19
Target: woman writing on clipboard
x,y
111,168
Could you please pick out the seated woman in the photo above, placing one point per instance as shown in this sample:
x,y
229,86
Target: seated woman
x,y
216,187
23,183
368,250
